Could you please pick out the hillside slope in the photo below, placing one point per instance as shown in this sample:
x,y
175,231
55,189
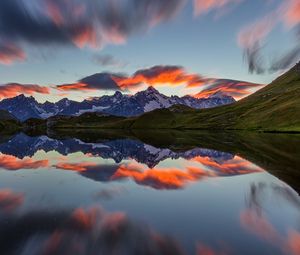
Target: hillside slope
x,y
276,107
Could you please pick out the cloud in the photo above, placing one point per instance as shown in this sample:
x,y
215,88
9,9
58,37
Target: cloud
x,y
161,75
77,167
9,200
293,242
14,89
235,166
255,219
259,225
98,81
80,23
204,6
12,163
82,231
108,61
154,76
234,88
252,38
203,249
173,178
164,178
10,53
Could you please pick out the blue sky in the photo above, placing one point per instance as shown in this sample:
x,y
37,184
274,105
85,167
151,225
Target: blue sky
x,y
206,44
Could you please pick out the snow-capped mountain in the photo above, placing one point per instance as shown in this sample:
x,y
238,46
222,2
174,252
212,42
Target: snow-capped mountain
x,y
118,104
22,146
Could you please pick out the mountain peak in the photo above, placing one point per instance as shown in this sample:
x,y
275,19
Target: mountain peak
x,y
151,89
23,97
118,104
117,94
63,100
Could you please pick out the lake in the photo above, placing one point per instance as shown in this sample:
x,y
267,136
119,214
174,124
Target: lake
x,y
163,193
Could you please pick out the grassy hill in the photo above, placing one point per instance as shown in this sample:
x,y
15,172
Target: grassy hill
x,y
276,107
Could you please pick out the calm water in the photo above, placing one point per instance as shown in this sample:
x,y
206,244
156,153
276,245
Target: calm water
x,y
123,196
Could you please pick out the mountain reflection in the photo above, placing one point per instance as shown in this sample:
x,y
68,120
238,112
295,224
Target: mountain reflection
x,y
124,196
22,146
144,164
132,160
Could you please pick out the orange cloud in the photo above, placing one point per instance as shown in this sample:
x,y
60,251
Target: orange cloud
x,y
291,11
79,23
203,6
54,13
258,31
165,178
12,163
9,201
237,89
293,242
86,218
86,37
78,167
154,76
88,231
14,89
202,249
10,53
160,178
160,75
235,166
73,86
259,225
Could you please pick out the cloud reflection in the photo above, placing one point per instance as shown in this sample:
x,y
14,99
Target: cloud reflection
x,y
9,200
83,231
163,177
257,221
9,162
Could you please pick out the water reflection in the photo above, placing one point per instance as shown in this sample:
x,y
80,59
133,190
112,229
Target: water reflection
x,y
132,160
81,231
123,196
257,220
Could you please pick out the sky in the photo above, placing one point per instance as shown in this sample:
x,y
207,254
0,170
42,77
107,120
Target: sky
x,y
79,49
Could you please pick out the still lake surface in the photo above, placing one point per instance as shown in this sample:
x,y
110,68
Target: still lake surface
x,y
123,196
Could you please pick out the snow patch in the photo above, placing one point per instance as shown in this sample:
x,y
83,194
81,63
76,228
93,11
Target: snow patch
x,y
93,109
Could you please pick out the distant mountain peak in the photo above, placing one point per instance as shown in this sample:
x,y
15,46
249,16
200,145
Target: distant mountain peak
x,y
151,89
118,104
118,94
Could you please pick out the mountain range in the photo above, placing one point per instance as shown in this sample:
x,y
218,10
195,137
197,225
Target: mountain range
x,y
119,104
274,108
22,146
